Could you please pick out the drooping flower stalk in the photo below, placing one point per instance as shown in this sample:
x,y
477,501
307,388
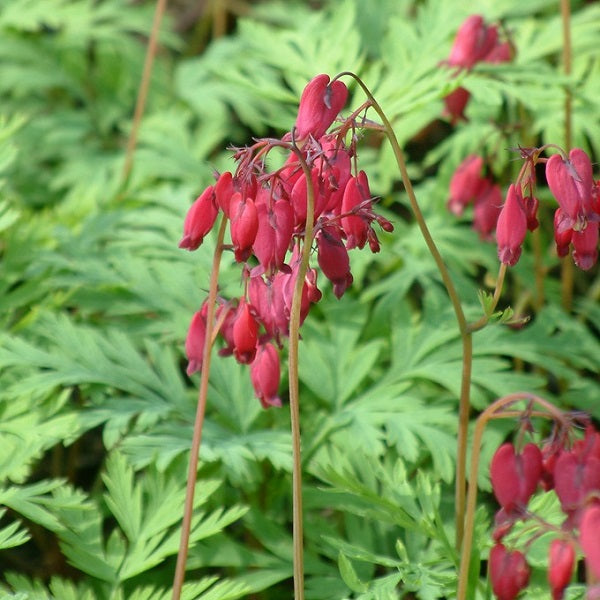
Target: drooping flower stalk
x,y
493,411
463,325
199,420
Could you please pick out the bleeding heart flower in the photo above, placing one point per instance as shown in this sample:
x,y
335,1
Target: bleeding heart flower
x,y
244,225
509,572
320,104
571,182
333,259
196,339
561,561
245,333
199,220
515,476
511,227
589,538
265,373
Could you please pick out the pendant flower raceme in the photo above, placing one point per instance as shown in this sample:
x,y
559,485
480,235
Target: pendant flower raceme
x,y
267,211
572,470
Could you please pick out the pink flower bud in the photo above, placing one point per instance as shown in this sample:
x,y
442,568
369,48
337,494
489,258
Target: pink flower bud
x,y
320,104
195,340
245,334
570,181
515,476
333,259
244,225
224,190
511,227
589,538
199,219
561,561
509,572
465,184
356,196
265,373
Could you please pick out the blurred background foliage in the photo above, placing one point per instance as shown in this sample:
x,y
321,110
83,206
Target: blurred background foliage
x,y
96,412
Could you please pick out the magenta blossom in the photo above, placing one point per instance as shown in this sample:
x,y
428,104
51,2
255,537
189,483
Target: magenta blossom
x,y
511,227
320,104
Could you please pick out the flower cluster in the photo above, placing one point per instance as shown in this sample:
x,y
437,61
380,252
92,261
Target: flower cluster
x,y
576,218
572,470
475,42
268,211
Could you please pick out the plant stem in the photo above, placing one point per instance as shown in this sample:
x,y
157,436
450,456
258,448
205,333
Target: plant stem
x,y
298,535
199,421
140,104
466,335
567,268
489,413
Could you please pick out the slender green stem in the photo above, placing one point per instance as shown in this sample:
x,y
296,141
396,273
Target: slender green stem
x,y
489,413
466,336
298,534
140,104
567,268
199,421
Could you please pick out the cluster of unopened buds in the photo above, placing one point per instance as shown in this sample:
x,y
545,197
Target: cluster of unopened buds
x,y
267,211
571,469
571,182
475,42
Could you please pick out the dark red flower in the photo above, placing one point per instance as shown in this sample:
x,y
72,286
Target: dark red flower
x,y
264,374
267,298
244,226
224,190
515,476
576,474
585,246
333,259
562,235
511,227
196,339
245,333
589,538
455,104
561,561
320,104
274,234
299,197
509,572
570,181
356,201
199,219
